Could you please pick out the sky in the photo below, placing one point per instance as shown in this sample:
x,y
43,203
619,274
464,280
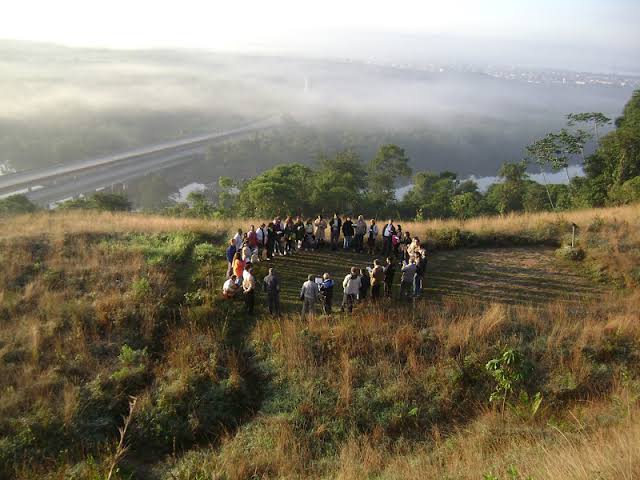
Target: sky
x,y
601,27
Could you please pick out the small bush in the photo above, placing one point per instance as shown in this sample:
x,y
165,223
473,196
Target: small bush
x,y
575,254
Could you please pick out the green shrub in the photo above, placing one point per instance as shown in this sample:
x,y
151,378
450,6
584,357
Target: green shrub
x,y
575,254
15,205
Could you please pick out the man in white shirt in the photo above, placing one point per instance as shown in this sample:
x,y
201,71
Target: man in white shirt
x,y
238,239
387,238
261,235
351,285
230,287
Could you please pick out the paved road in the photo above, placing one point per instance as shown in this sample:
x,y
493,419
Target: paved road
x,y
80,177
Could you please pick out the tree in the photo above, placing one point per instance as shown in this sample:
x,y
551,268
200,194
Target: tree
x,y
466,205
432,194
597,119
339,182
388,166
200,206
507,196
617,158
227,196
285,189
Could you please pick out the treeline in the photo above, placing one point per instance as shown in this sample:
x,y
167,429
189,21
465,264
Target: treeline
x,y
344,182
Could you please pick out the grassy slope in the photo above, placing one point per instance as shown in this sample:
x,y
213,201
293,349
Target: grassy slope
x,y
384,392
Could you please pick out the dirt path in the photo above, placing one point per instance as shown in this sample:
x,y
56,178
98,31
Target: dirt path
x,y
510,275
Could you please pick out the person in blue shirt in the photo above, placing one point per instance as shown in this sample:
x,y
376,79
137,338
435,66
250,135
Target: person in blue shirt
x,y
326,293
231,252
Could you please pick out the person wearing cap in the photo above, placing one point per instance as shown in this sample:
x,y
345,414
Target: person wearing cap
x,y
309,295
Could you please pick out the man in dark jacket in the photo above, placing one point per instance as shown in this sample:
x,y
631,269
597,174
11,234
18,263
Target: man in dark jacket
x,y
231,252
335,225
389,273
271,285
347,231
326,293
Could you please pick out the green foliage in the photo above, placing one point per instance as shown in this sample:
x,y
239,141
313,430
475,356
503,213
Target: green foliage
x,y
509,371
340,182
206,252
281,190
107,202
15,205
388,166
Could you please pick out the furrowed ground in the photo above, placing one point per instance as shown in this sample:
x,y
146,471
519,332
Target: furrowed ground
x,y
505,275
98,308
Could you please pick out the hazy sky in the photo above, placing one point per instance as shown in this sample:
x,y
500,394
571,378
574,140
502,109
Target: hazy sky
x,y
294,25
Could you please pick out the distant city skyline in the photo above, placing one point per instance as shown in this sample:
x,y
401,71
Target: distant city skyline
x,y
586,34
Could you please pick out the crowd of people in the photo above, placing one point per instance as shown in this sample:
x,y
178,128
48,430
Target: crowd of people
x,y
289,236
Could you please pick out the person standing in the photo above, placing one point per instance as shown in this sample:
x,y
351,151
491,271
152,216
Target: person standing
x,y
321,228
335,225
405,242
290,236
309,295
245,252
271,240
230,254
308,235
347,231
360,232
238,266
406,281
261,237
326,293
365,284
421,268
249,291
377,280
413,248
299,228
389,273
252,241
238,238
396,240
372,236
351,286
271,286
387,238
279,229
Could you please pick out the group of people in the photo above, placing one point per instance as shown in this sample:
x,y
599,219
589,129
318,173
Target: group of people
x,y
288,236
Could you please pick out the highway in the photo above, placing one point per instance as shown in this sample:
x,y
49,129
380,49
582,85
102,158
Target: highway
x,y
63,181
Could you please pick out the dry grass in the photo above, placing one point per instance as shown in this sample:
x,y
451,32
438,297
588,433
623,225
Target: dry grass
x,y
59,223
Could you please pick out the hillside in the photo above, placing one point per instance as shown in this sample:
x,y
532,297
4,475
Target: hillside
x,y
99,309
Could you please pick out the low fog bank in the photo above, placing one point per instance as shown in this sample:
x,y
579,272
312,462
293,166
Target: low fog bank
x,y
62,104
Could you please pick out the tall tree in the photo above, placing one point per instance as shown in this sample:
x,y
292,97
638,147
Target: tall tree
x,y
385,170
596,119
340,182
